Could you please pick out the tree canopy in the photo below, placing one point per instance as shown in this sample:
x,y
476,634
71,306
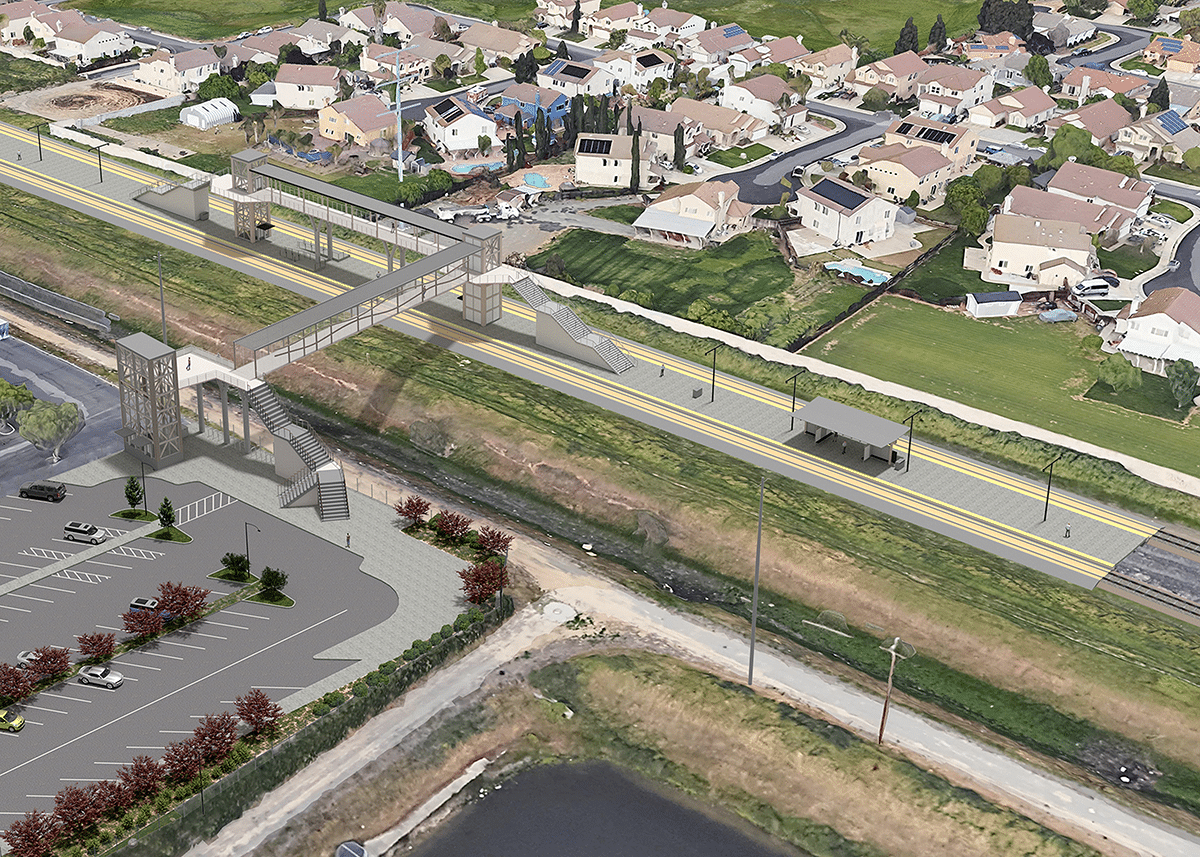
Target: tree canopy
x,y
49,426
997,16
1037,71
937,33
910,39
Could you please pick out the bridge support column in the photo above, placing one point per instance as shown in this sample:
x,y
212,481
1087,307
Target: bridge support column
x,y
482,302
224,388
329,239
200,406
391,253
246,444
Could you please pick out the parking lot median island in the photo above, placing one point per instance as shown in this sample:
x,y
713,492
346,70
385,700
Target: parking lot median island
x,y
134,515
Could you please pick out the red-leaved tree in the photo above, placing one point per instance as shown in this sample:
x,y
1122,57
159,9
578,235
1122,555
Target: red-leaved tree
x,y
112,797
414,508
483,580
258,711
32,836
142,623
142,776
51,661
182,760
15,684
97,647
452,526
76,809
185,602
215,736
493,542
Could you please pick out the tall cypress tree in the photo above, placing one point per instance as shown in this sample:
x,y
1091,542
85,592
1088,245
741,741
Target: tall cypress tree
x,y
629,119
575,16
937,33
522,152
1161,96
909,38
635,168
680,147
541,135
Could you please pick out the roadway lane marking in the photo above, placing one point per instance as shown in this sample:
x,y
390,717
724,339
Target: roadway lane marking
x,y
143,666
210,636
20,565
160,655
31,598
109,564
247,615
60,696
18,609
51,710
225,625
52,588
173,692
181,645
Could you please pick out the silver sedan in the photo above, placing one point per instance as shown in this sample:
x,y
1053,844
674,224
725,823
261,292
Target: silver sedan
x,y
101,675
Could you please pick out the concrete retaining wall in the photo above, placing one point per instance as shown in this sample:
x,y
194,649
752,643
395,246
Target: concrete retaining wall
x,y
161,104
53,303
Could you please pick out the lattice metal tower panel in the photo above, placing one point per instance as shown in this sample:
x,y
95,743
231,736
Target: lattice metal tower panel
x,y
251,217
151,422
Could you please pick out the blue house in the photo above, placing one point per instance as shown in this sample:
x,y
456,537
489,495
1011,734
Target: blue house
x,y
528,98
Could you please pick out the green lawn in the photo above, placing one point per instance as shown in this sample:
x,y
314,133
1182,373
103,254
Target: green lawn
x,y
148,123
1138,65
619,213
21,75
1175,172
1021,368
731,276
1127,261
211,20
739,155
1181,213
942,276
208,161
134,515
1154,397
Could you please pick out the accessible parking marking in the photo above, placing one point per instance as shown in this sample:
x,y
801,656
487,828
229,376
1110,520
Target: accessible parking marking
x,y
45,553
82,576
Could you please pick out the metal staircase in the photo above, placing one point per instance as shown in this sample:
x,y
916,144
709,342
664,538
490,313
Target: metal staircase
x,y
597,343
322,473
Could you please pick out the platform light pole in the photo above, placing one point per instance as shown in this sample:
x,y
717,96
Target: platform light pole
x,y
247,531
144,509
1049,470
162,303
38,128
911,422
793,380
754,600
713,351
100,161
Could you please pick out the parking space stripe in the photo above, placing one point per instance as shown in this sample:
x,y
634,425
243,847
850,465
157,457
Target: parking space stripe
x,y
51,710
143,666
118,764
81,576
109,628
2,518
3,620
176,731
52,588
269,687
30,598
181,645
41,796
161,655
224,625
83,779
60,696
138,747
15,509
109,564
210,636
247,615
20,565
18,609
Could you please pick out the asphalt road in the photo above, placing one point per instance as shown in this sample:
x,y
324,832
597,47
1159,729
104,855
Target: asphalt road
x,y
1187,275
1129,39
55,380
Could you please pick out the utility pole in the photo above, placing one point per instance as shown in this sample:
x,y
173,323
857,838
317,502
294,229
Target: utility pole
x,y
887,700
399,125
1049,478
911,421
793,380
754,601
713,352
162,303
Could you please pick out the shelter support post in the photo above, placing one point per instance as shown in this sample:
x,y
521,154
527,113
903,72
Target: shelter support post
x,y
224,388
200,406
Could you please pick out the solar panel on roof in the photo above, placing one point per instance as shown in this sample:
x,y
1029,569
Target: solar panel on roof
x,y
448,110
554,67
589,146
1171,122
649,61
904,128
576,71
838,194
934,135
733,30
1171,43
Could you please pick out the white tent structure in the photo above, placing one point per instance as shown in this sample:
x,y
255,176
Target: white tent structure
x,y
209,114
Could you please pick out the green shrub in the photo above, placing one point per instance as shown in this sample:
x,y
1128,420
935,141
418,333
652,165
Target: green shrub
x,y
320,709
73,851
447,632
410,654
105,836
471,538
475,614
375,678
163,802
387,667
143,816
333,699
435,638
422,646
461,622
91,845
1091,342
241,754
360,688
127,822
228,765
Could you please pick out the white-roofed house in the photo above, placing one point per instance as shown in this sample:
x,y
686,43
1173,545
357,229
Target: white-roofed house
x,y
455,125
765,97
726,127
843,213
557,14
606,160
666,23
315,37
496,42
829,68
637,69
575,78
1102,187
307,87
209,114
695,215
993,304
1024,108
1010,70
177,72
1162,329
83,43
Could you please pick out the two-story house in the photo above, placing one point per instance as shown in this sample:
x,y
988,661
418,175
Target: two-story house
x,y
957,143
694,215
670,25
787,51
1104,187
15,17
1063,31
356,121
623,16
896,171
829,68
1109,222
456,126
1172,54
496,42
527,99
307,87
1161,329
400,20
606,160
714,47
639,69
1101,120
898,76
987,46
844,214
1083,82
84,44
765,97
726,127
383,64
317,38
659,126
1010,71
952,90
1159,136
177,73
557,14
575,78
1022,108
1042,254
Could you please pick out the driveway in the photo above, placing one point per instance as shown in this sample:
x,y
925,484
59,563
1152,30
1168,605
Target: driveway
x,y
1187,275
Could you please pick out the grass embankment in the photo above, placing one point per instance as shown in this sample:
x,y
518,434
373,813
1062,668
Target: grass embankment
x,y
1176,172
942,275
150,122
201,21
618,213
739,156
21,75
1066,664
1175,210
1127,262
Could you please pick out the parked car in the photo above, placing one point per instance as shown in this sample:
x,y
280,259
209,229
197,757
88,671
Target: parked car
x,y
78,531
1173,265
1093,288
101,675
244,34
262,31
143,604
1111,279
54,491
26,659
11,722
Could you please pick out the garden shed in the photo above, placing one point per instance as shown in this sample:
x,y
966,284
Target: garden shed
x,y
209,114
993,304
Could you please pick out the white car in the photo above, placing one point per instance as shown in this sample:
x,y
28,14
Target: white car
x,y
101,675
262,31
244,34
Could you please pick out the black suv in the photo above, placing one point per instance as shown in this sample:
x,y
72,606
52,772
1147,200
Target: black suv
x,y
44,490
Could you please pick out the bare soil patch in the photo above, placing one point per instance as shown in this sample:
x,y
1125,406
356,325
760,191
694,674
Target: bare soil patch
x,y
84,98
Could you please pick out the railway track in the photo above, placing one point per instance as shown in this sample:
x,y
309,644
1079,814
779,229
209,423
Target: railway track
x,y
1156,594
1177,541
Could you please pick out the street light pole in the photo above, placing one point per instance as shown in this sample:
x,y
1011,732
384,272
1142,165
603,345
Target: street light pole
x,y
247,531
162,303
713,352
144,509
793,380
38,128
887,699
754,601
1049,478
100,161
911,422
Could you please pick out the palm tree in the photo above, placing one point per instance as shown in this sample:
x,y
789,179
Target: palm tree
x,y
276,112
248,126
379,7
260,126
335,152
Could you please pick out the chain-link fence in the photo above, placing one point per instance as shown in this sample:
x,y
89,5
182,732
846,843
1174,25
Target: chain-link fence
x,y
202,815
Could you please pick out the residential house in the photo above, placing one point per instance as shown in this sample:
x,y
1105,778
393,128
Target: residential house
x,y
1162,329
624,16
455,126
672,24
1064,31
694,214
557,14
357,120
1102,120
606,160
658,126
177,73
1082,83
15,17
1092,184
382,64
574,78
1010,71
1111,223
48,23
726,127
714,47
988,46
84,44
896,171
843,213
1023,108
1158,136
1171,54
957,143
952,90
316,38
636,69
786,51
496,42
527,99
765,97
638,39
307,87
898,76
829,68
400,20
1043,253
254,49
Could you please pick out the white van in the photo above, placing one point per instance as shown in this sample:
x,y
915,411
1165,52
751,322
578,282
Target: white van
x,y
1094,288
77,531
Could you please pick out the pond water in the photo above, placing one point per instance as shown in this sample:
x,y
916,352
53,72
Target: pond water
x,y
594,810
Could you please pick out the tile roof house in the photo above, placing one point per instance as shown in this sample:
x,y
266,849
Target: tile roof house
x,y
606,160
254,49
988,46
307,87
672,22
843,213
455,126
400,20
897,76
1102,120
786,51
694,214
1111,223
1160,135
558,13
1093,184
1010,71
1173,54
496,42
83,43
1162,329
16,17
1040,253
659,127
713,47
1064,31
575,78
528,99
957,143
726,127
357,120
1083,82
1023,108
317,37
896,171
765,97
952,90
603,23
637,69
177,72
381,63
829,68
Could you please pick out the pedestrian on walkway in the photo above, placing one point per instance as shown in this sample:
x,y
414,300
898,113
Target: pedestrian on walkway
x,y
347,541
843,447
18,156
189,366
1067,534
662,370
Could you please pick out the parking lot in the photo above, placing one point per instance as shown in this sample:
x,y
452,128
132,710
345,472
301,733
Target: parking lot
x,y
81,733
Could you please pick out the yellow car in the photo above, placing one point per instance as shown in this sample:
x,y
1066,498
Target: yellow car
x,y
13,723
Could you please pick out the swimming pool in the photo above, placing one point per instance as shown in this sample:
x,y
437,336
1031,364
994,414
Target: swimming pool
x,y
466,168
535,180
868,275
